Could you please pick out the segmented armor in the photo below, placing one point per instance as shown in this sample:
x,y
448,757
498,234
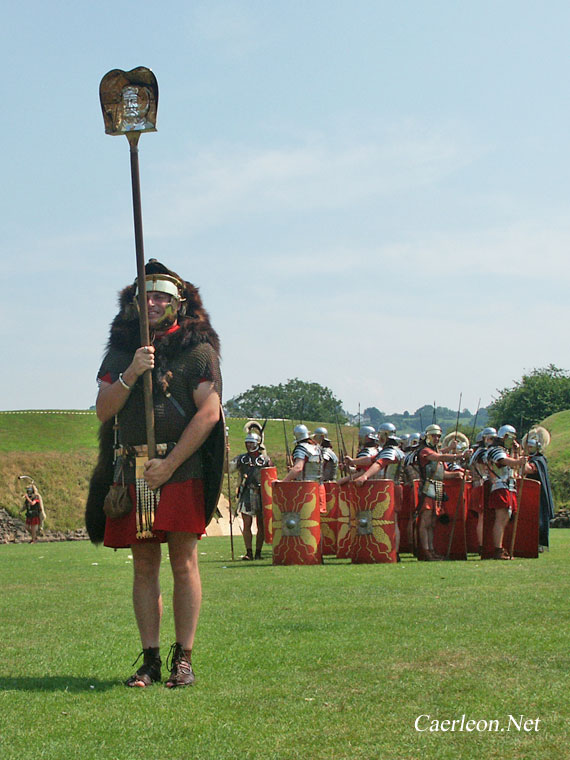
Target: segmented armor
x,y
478,466
313,456
500,476
330,464
395,456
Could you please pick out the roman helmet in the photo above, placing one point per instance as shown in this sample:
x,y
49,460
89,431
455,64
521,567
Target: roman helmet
x,y
432,434
385,431
487,435
320,435
160,279
254,426
301,433
405,441
537,439
414,440
367,433
507,434
252,441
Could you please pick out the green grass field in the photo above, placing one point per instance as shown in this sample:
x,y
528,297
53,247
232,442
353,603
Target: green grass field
x,y
320,663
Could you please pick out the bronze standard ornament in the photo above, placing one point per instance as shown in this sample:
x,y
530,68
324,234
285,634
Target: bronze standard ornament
x,y
129,100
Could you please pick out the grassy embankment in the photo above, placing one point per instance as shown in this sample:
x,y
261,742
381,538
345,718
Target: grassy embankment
x,y
59,450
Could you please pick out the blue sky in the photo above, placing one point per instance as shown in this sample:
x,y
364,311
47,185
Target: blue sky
x,y
370,195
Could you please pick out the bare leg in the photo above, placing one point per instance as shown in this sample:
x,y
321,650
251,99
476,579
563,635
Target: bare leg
x,y
34,532
187,595
397,534
260,535
501,520
247,538
423,529
147,599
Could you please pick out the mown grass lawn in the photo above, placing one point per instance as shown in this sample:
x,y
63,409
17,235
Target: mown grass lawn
x,y
323,662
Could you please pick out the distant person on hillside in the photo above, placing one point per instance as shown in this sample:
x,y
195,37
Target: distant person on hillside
x,y
249,466
173,494
34,508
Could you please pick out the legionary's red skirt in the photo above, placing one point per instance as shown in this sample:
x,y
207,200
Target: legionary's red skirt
x,y
180,509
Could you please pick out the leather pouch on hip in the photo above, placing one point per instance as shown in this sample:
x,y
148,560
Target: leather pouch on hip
x,y
118,501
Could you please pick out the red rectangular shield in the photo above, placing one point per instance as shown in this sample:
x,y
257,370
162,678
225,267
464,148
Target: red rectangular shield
x,y
526,539
345,528
268,475
296,522
329,520
374,518
455,504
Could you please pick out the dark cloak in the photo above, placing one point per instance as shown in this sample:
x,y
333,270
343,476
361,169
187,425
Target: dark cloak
x,y
546,499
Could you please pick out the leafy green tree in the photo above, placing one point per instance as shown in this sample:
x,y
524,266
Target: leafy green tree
x,y
295,400
537,395
375,416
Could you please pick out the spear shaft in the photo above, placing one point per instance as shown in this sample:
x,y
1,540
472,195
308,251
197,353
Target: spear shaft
x,y
133,138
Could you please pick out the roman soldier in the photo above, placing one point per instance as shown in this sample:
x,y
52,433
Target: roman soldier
x,y
307,457
432,474
330,459
170,497
410,468
479,474
249,466
386,466
535,442
367,451
502,461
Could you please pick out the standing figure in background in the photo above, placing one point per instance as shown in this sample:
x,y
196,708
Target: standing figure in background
x,y
330,459
33,506
249,466
366,454
536,441
502,460
480,474
307,457
432,475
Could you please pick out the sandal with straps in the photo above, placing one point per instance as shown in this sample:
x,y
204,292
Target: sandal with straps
x,y
180,665
149,671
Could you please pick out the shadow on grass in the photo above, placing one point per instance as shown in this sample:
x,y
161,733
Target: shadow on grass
x,y
69,684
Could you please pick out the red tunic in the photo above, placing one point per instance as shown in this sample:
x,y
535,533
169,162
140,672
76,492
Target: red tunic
x,y
180,509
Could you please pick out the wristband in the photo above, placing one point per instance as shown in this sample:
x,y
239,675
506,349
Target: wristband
x,y
128,387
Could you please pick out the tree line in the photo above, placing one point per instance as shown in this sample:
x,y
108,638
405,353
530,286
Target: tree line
x,y
539,393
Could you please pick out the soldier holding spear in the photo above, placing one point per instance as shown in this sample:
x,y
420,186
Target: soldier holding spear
x,y
161,365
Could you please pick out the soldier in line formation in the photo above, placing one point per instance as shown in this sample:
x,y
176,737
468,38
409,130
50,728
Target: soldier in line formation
x,y
495,457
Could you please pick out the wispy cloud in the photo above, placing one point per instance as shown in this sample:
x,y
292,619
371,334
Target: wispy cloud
x,y
323,173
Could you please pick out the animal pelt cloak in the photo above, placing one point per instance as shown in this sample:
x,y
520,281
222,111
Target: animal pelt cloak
x,y
195,328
